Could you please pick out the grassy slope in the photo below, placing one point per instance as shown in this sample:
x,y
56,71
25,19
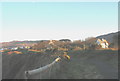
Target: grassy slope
x,y
97,64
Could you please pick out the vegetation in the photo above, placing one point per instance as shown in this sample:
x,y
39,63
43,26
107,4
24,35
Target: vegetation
x,y
60,46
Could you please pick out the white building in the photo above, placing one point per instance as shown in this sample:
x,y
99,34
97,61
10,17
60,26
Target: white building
x,y
103,43
15,48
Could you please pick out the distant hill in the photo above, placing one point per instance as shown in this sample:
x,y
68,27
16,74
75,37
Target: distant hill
x,y
111,38
18,43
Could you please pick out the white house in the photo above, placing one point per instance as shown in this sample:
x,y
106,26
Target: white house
x,y
103,43
15,48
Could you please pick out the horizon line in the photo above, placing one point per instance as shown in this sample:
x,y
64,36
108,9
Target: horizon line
x,y
59,38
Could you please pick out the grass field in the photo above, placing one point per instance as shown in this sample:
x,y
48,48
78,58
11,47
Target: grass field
x,y
84,64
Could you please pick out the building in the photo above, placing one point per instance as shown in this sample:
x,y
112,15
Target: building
x,y
103,43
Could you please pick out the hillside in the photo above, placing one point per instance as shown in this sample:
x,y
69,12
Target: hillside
x,y
82,65
87,60
18,43
109,36
112,38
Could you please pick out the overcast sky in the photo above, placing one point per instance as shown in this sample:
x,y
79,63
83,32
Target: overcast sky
x,y
57,20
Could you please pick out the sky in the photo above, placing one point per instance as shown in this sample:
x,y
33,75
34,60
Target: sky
x,y
59,0
57,20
